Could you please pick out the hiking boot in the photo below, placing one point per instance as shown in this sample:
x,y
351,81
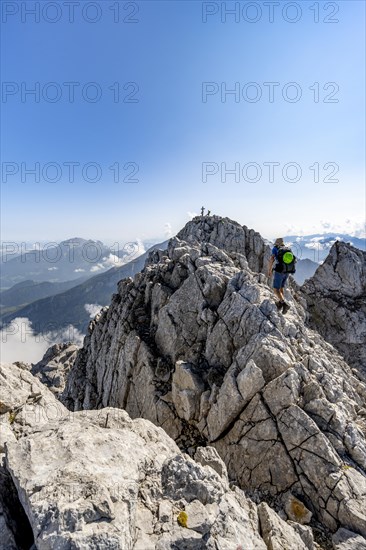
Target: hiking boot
x,y
279,305
285,308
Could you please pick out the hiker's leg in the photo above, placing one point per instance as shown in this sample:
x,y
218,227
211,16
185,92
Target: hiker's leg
x,y
277,280
283,284
278,293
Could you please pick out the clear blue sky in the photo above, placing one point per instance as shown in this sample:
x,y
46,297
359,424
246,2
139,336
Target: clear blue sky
x,y
169,52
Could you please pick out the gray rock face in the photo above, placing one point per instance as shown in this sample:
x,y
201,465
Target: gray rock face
x,y
196,345
26,405
100,480
277,533
228,235
208,456
54,366
344,539
336,299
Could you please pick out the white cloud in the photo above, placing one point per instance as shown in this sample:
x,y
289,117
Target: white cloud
x,y
353,228
167,230
52,268
191,215
115,261
132,250
111,261
140,248
18,341
92,309
293,230
325,225
349,227
316,244
96,267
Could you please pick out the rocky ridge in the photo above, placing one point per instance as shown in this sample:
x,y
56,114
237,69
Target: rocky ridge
x,y
195,344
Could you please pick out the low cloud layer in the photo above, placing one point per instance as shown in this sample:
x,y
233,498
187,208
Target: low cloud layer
x,y
18,341
92,309
353,228
191,215
168,230
136,249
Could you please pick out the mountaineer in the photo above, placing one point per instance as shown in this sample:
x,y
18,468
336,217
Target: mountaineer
x,y
282,263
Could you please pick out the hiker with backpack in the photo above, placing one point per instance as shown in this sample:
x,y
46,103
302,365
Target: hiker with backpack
x,y
281,263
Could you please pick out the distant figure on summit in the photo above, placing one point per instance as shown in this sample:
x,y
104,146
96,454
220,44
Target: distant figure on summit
x,y
281,263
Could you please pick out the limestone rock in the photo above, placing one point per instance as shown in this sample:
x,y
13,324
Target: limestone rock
x,y
336,299
25,406
250,381
198,517
187,388
165,511
306,534
53,368
101,480
195,344
277,534
26,403
344,539
208,456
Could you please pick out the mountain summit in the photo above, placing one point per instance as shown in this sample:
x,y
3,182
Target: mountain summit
x,y
195,344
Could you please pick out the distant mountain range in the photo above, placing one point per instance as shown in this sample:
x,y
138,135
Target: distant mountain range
x,y
311,250
45,297
26,292
56,263
69,307
316,247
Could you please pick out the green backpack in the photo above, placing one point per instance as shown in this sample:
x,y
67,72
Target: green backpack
x,y
286,260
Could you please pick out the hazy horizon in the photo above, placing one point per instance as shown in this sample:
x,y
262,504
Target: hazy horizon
x,y
349,227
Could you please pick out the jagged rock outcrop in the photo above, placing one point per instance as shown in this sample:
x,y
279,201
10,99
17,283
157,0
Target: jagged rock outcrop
x,y
195,344
98,480
26,405
336,302
54,366
230,236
